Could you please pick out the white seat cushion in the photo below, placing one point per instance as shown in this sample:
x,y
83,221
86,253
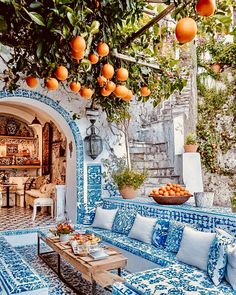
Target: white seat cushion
x,y
43,201
37,194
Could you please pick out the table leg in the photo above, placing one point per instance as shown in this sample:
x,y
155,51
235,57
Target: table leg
x,y
119,272
59,265
38,248
94,286
8,196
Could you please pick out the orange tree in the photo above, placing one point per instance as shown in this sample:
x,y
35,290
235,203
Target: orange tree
x,y
70,43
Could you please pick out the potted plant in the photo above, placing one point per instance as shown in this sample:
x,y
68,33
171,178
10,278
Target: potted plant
x,y
233,202
128,181
190,143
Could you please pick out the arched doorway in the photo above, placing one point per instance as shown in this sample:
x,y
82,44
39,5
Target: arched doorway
x,y
75,158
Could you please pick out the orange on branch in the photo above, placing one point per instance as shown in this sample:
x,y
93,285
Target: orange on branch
x,y
122,74
75,86
103,49
78,43
186,30
121,91
101,81
86,92
78,55
111,86
145,91
105,92
61,73
31,81
93,58
129,96
108,71
206,7
52,84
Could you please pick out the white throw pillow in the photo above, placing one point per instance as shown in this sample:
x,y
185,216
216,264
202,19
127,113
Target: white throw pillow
x,y
142,229
231,276
104,218
194,247
231,266
231,251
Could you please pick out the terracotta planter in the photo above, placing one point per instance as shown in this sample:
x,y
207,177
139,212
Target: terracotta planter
x,y
190,148
128,192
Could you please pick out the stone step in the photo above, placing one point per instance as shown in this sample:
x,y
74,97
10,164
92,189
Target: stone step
x,y
143,165
143,157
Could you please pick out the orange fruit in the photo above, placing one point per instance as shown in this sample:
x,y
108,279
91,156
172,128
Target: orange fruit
x,y
166,194
144,91
181,193
78,43
52,84
169,184
75,86
111,86
121,91
206,7
129,96
108,71
177,194
105,92
122,74
186,30
78,55
102,49
93,58
86,92
171,193
101,81
31,81
61,73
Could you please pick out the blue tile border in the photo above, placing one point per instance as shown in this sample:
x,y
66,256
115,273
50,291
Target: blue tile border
x,y
73,126
94,183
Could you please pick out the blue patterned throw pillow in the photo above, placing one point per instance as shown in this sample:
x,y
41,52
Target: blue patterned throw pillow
x,y
124,221
160,233
217,258
174,236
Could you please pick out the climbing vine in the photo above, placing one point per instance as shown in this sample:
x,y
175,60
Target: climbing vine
x,y
216,128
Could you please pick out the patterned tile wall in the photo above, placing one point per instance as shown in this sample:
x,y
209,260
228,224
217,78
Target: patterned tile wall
x,y
206,219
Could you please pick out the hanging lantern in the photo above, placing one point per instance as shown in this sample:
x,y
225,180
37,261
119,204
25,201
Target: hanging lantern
x,y
93,143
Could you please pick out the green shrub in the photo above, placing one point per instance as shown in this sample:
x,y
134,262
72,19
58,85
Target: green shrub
x,y
190,139
127,177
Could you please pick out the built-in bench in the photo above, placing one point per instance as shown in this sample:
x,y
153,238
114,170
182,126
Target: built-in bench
x,y
16,276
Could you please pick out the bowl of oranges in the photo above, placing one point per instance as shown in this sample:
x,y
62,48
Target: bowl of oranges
x,y
170,194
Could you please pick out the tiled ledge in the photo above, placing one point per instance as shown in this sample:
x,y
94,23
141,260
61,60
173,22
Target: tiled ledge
x,y
207,219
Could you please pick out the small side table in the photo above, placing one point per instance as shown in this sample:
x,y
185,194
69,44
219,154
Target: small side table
x,y
7,186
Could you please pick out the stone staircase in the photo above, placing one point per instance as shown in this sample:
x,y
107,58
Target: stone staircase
x,y
152,152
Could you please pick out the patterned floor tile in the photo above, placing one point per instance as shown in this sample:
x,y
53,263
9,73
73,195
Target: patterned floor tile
x,y
19,218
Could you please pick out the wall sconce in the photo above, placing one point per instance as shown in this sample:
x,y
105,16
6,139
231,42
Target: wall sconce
x,y
93,142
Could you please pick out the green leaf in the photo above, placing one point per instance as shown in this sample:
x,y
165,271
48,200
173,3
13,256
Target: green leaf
x,y
35,5
39,50
36,17
71,18
3,24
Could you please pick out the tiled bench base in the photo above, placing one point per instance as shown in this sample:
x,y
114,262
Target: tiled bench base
x,y
16,276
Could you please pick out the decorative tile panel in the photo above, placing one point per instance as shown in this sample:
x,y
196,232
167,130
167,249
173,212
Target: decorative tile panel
x,y
94,182
206,219
73,126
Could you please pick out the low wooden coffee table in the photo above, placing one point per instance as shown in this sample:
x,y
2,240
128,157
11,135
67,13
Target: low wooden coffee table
x,y
94,271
